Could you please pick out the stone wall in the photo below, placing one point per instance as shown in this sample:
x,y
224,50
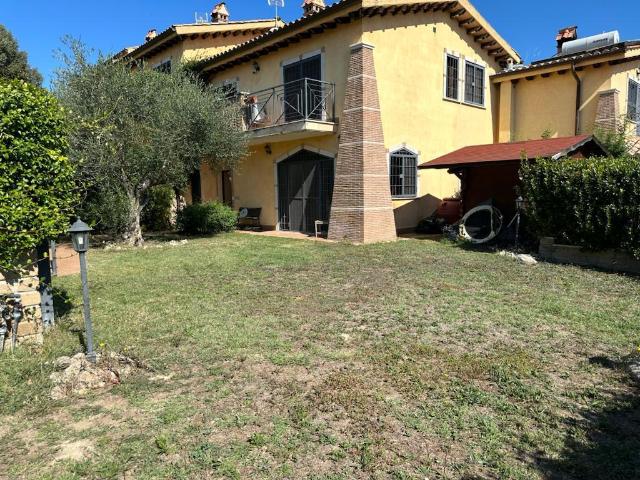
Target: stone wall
x,y
30,327
611,260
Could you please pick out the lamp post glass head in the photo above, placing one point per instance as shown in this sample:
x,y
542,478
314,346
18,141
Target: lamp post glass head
x,y
519,203
80,236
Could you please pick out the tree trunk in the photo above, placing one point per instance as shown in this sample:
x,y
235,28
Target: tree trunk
x,y
133,233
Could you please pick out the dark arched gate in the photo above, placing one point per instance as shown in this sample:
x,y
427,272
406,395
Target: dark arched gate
x,y
305,188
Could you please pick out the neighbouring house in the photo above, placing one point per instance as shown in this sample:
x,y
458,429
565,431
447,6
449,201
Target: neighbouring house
x,y
590,83
345,102
188,42
491,172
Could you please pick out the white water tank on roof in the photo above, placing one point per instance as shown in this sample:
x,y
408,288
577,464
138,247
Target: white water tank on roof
x,y
589,43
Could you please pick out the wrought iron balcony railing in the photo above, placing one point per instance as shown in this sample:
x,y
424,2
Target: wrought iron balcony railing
x,y
304,99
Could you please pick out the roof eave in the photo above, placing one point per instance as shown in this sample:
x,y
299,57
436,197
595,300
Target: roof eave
x,y
217,61
554,64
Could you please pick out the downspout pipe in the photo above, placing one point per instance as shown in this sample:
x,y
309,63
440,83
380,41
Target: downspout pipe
x,y
578,97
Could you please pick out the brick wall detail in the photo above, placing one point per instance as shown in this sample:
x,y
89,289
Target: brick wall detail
x,y
361,210
608,110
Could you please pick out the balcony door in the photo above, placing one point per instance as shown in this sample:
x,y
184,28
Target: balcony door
x,y
305,189
303,99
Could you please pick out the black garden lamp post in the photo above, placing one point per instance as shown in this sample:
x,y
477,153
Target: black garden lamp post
x,y
80,238
519,206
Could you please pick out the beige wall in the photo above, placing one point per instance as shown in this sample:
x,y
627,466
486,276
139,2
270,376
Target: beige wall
x,y
254,180
548,104
409,55
334,46
197,49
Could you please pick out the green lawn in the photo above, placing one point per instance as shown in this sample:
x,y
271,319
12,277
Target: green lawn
x,y
278,358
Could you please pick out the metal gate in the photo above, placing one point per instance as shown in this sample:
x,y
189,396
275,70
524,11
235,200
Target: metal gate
x,y
305,188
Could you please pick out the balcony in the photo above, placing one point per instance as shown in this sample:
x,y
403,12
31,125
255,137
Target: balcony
x,y
294,110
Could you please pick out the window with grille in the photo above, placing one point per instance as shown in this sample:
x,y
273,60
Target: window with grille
x,y
474,84
230,90
633,103
451,77
403,169
164,67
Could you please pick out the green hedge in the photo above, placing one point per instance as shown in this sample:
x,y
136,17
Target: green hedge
x,y
206,218
593,203
38,192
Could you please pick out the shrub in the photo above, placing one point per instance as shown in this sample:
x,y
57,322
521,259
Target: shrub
x,y
37,188
156,215
204,218
106,210
593,203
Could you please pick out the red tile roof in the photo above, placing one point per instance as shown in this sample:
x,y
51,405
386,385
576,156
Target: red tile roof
x,y
505,152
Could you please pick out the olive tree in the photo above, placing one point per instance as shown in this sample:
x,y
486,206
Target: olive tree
x,y
37,180
136,128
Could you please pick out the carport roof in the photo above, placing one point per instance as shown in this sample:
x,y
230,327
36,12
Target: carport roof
x,y
514,151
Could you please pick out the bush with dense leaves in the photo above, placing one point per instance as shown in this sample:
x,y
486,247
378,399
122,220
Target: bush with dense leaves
x,y
593,203
205,218
156,215
37,188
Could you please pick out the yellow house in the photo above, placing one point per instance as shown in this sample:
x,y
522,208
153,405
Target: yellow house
x,y
589,85
208,36
344,103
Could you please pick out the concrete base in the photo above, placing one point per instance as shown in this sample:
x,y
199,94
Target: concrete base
x,y
612,260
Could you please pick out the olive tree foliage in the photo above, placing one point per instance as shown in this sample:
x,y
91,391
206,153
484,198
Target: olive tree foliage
x,y
136,128
37,181
13,62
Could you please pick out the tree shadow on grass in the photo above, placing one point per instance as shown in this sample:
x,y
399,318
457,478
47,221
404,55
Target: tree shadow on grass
x,y
603,444
62,303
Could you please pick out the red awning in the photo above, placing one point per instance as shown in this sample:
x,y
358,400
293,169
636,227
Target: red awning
x,y
508,152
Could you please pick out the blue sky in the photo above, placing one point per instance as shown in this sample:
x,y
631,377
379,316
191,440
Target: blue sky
x,y
110,25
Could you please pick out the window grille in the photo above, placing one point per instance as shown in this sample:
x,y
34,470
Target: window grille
x,y
164,67
633,103
403,173
230,90
474,84
452,74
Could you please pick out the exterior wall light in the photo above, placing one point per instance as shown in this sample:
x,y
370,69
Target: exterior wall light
x,y
80,238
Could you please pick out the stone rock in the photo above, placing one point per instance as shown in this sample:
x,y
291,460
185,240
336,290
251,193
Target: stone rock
x,y
634,369
77,376
62,363
526,259
521,257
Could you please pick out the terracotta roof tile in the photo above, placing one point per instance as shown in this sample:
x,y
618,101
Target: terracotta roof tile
x,y
504,152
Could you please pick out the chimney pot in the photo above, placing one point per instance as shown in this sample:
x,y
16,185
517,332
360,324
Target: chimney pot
x,y
151,34
565,35
312,6
220,14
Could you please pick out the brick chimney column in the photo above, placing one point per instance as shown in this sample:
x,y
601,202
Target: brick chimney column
x,y
608,110
361,210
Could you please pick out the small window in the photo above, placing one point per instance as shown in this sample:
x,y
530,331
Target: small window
x,y
474,84
164,67
451,77
230,90
403,174
633,103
